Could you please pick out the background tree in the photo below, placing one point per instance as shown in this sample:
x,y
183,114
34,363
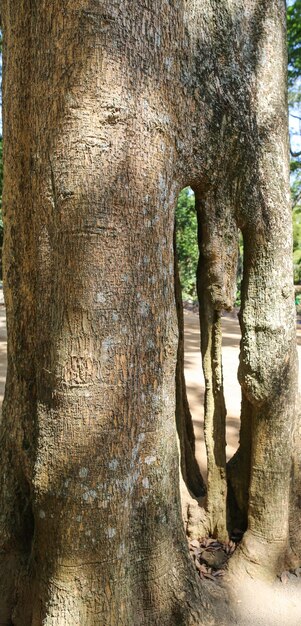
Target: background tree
x,y
294,46
186,242
185,213
294,72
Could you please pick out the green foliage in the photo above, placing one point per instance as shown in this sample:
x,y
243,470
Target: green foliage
x,y
297,256
296,190
294,74
294,41
297,242
187,247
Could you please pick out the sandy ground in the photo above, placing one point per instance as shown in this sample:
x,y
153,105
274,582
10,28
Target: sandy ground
x,y
257,604
195,380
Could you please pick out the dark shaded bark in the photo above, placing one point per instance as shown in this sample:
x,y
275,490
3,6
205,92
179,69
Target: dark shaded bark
x,y
238,472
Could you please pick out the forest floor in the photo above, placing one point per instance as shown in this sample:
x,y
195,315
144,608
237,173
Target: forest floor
x,y
257,603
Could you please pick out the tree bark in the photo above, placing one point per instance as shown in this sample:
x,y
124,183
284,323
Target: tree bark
x,y
294,557
89,414
268,357
216,280
109,110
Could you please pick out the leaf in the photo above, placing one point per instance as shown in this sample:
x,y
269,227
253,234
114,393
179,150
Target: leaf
x,y
218,573
208,575
284,577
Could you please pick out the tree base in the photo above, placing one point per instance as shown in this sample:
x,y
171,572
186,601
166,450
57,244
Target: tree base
x,y
257,559
76,598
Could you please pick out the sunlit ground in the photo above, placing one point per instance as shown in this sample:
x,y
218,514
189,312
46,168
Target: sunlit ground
x,y
195,380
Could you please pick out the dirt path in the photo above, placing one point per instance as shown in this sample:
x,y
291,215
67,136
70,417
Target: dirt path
x,y
195,380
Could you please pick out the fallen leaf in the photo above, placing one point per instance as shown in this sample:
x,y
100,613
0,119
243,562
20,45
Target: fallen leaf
x,y
284,577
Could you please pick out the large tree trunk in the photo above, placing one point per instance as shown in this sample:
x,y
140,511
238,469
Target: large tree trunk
x,y
91,522
109,110
268,372
216,281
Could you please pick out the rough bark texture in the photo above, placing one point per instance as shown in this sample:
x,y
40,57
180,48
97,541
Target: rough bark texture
x,y
294,556
110,109
216,278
